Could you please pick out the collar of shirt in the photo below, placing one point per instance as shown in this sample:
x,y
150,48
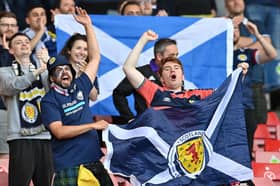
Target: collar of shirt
x,y
59,89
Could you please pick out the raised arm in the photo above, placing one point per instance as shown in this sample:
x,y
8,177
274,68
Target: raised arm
x,y
268,52
38,35
93,48
133,75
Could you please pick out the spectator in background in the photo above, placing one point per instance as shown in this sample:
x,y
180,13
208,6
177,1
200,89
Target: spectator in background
x,y
146,8
23,84
236,10
253,57
77,51
163,48
41,38
8,27
197,8
130,8
266,15
63,7
19,8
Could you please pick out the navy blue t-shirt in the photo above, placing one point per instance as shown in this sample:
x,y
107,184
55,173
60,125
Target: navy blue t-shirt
x,y
72,109
246,55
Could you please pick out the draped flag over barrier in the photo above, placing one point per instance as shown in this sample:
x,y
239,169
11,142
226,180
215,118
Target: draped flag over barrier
x,y
204,143
205,47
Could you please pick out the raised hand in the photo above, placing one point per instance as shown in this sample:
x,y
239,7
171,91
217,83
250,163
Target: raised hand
x,y
82,16
150,35
43,55
252,28
4,41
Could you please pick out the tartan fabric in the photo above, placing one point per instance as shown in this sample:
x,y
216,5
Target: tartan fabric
x,y
66,177
69,176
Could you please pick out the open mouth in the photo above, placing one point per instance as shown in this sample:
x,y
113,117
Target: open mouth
x,y
173,76
65,78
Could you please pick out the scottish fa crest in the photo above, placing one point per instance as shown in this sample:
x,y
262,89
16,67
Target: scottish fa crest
x,y
189,154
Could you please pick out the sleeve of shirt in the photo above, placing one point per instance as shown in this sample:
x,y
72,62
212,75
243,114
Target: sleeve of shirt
x,y
96,85
256,57
5,57
10,84
120,94
85,83
50,112
148,89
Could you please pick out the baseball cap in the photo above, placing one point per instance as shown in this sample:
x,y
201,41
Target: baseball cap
x,y
59,60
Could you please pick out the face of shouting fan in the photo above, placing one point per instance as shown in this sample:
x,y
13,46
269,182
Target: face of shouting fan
x,y
62,76
172,76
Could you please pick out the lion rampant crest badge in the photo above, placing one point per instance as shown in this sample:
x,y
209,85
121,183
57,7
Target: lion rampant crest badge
x,y
189,154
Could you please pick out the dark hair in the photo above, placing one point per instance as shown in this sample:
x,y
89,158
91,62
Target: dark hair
x,y
70,42
34,5
15,35
161,45
57,4
126,3
169,59
7,14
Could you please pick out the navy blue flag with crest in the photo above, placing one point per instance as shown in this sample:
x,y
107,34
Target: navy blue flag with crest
x,y
204,143
205,47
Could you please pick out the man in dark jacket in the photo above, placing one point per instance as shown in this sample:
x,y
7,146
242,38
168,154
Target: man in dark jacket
x,y
163,48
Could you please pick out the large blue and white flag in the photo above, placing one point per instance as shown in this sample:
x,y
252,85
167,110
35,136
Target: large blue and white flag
x,y
205,47
202,144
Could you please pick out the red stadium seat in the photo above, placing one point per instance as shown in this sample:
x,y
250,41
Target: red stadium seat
x,y
272,123
278,132
258,181
272,145
266,170
261,134
272,119
267,157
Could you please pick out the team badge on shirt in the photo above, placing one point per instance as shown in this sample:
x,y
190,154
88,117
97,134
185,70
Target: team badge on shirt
x,y
242,57
80,95
152,78
166,99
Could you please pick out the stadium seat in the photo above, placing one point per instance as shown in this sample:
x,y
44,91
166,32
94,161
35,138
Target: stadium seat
x,y
267,157
261,134
266,170
272,119
272,123
272,145
259,181
278,132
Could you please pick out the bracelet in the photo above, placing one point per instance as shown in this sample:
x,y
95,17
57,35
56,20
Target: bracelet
x,y
253,37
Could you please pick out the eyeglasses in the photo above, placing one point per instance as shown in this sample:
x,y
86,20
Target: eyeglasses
x,y
6,25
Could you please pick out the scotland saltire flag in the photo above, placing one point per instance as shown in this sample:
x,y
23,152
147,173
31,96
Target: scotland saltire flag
x,y
204,143
205,48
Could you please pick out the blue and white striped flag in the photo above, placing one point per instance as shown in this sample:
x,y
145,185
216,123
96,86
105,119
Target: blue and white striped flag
x,y
205,47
